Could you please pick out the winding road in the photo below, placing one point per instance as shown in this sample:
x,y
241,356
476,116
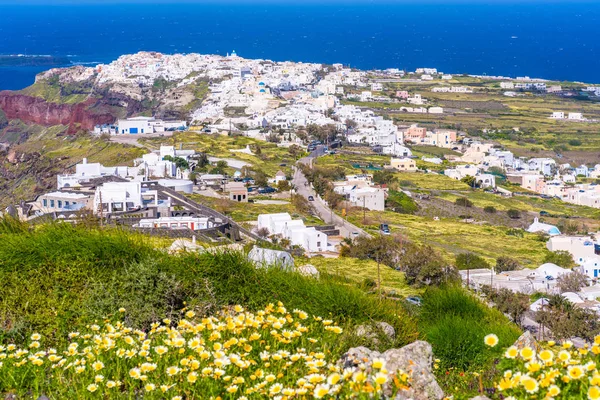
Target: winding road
x,y
304,189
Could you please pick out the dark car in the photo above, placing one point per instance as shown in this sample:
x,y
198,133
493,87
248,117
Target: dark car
x,y
414,300
384,229
311,198
544,213
267,189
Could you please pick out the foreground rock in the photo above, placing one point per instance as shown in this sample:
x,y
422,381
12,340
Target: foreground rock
x,y
373,332
416,360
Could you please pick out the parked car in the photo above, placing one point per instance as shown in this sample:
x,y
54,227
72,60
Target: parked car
x,y
266,189
384,229
414,300
544,213
311,198
355,234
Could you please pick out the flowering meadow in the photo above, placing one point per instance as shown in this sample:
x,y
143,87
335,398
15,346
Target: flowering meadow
x,y
552,371
271,353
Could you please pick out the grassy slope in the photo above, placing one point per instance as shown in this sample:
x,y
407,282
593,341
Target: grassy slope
x,y
220,145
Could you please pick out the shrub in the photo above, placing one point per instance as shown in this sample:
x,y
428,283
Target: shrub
x,y
470,261
513,214
400,202
463,202
575,142
489,209
506,264
560,258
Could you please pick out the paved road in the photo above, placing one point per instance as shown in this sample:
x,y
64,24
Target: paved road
x,y
303,188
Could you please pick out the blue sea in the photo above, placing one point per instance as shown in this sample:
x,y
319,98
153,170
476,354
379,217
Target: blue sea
x,y
557,40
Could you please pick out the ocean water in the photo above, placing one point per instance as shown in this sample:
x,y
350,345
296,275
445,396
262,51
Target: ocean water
x,y
556,40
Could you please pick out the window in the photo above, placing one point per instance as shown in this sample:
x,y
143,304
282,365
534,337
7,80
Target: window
x,y
318,244
174,225
66,204
59,203
45,202
52,203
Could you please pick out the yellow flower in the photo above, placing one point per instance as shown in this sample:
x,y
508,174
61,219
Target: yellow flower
x,y
111,384
321,391
575,372
171,371
511,352
333,379
595,379
526,353
135,373
530,384
232,389
190,314
491,340
593,393
36,336
97,366
533,366
98,378
92,388
276,388
149,387
564,355
546,355
553,391
122,310
380,378
378,363
192,377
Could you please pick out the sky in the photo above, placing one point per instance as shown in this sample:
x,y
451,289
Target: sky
x,y
482,2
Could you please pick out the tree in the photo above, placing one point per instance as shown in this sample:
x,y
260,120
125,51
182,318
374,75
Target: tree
x,y
283,186
350,124
561,258
489,209
509,302
470,261
504,263
333,199
384,177
260,178
181,163
572,282
262,233
470,180
400,202
423,266
295,151
463,202
513,214
566,321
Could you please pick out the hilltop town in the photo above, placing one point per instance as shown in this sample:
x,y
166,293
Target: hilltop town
x,y
392,182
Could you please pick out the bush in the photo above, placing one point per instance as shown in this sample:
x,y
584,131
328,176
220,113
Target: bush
x,y
463,202
489,209
400,202
470,261
59,276
575,142
506,264
513,214
560,258
455,324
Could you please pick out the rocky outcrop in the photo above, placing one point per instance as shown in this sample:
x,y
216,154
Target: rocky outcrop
x,y
526,340
373,332
38,111
416,360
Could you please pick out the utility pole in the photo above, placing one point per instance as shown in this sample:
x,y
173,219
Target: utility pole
x,y
101,209
364,209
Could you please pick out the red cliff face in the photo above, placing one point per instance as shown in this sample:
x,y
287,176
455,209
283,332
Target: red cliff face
x,y
36,110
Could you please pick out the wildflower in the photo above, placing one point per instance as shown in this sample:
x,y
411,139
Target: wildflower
x,y
276,388
192,377
546,356
530,384
491,340
190,314
380,378
135,373
36,336
122,310
575,372
172,371
564,356
149,387
378,363
97,366
92,388
232,389
526,353
321,391
553,391
160,350
593,393
334,378
511,352
98,378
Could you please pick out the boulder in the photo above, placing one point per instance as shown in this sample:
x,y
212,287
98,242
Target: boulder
x,y
308,270
372,332
416,360
526,340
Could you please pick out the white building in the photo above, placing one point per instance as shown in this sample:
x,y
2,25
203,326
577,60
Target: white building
x,y
85,171
193,223
295,231
538,226
123,196
367,197
145,125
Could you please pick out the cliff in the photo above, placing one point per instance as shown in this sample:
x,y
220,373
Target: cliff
x,y
38,111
